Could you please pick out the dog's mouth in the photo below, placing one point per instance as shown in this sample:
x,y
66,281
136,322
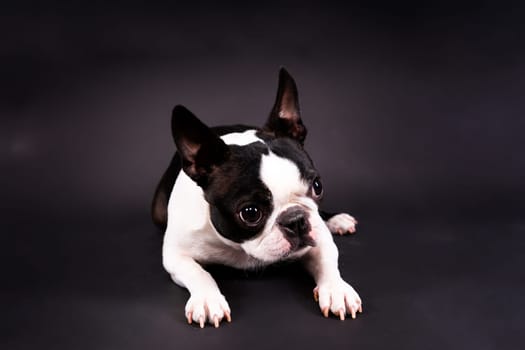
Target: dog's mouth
x,y
298,245
276,255
299,242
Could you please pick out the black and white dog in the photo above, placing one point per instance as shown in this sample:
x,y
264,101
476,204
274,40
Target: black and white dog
x,y
247,197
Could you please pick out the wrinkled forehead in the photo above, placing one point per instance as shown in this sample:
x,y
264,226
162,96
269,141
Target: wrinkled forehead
x,y
287,171
283,178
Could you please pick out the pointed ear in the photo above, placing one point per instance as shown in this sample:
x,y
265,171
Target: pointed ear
x,y
285,117
200,148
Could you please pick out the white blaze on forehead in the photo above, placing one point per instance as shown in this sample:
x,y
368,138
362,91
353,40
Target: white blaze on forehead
x,y
282,177
241,138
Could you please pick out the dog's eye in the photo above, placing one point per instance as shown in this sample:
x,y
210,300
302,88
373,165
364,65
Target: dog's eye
x,y
250,215
317,187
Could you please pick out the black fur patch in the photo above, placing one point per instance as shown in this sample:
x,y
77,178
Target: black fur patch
x,y
236,184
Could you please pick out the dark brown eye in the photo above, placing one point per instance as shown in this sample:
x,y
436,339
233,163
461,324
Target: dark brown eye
x,y
250,215
317,187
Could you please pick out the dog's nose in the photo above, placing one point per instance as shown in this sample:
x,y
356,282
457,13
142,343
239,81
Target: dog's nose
x,y
294,222
296,225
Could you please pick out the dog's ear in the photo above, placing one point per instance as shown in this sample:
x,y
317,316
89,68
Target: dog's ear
x,y
285,117
200,148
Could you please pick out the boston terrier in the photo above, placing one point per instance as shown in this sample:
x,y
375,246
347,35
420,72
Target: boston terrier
x,y
247,197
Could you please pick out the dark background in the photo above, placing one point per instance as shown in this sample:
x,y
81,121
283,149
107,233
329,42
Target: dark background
x,y
416,119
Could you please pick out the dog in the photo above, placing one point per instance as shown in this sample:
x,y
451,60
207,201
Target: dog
x,y
247,197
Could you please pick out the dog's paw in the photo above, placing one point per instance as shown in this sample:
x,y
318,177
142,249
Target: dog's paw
x,y
341,224
209,307
339,298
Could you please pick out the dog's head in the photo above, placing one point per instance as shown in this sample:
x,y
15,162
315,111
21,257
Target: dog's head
x,y
262,188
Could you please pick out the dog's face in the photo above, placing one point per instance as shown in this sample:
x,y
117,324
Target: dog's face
x,y
262,188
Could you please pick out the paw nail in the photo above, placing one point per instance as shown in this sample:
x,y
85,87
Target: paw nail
x,y
228,316
342,315
325,312
201,322
216,322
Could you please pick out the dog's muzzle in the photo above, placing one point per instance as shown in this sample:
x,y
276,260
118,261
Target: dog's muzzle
x,y
294,224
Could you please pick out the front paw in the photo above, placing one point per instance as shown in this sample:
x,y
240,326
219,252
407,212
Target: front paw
x,y
210,306
341,224
339,298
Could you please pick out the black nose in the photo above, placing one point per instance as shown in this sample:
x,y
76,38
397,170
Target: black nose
x,y
296,226
294,222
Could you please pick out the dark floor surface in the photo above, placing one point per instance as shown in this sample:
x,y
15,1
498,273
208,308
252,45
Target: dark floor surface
x,y
426,284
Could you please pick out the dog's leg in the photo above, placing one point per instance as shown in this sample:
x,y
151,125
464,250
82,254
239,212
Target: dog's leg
x,y
339,223
332,292
206,302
